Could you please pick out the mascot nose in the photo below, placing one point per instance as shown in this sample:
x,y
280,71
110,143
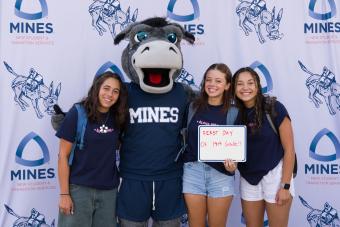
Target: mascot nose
x,y
145,49
172,49
158,54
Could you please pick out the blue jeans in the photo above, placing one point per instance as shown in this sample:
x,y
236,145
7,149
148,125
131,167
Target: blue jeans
x,y
92,208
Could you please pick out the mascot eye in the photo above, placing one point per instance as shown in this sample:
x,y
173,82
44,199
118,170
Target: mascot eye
x,y
140,36
172,37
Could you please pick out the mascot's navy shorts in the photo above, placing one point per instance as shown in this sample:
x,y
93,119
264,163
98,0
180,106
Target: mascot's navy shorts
x,y
139,200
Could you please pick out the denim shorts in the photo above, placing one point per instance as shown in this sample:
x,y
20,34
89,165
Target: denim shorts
x,y
202,179
92,208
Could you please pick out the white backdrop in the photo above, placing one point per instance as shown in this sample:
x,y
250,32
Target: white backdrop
x,y
50,51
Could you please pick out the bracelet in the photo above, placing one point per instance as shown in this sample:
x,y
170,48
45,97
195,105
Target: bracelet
x,y
64,194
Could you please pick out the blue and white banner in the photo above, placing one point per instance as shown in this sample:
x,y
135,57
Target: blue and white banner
x,y
51,50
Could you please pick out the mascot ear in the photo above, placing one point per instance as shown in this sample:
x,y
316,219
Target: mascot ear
x,y
186,35
189,37
123,34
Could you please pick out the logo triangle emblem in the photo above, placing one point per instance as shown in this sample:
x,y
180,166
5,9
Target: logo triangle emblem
x,y
183,18
321,16
31,16
21,148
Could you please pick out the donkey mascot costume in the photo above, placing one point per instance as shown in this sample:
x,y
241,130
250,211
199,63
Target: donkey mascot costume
x,y
151,180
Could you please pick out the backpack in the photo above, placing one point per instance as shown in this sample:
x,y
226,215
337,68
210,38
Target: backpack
x,y
231,117
81,127
270,120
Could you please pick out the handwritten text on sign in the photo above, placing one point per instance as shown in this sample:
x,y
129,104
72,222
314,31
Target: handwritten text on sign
x,y
220,142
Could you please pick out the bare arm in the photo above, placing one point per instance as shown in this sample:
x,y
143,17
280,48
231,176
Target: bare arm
x,y
287,141
65,202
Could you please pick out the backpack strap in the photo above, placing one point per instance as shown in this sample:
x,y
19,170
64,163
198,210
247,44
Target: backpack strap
x,y
191,113
271,123
81,127
269,118
232,115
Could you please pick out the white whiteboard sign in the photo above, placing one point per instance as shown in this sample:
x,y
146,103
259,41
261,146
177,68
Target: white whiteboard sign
x,y
219,142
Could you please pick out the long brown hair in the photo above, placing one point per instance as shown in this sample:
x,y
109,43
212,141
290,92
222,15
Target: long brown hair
x,y
201,101
263,104
91,102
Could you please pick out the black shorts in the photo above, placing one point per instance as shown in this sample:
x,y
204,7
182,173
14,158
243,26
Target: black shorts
x,y
139,200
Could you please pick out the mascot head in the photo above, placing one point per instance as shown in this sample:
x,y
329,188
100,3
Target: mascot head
x,y
153,57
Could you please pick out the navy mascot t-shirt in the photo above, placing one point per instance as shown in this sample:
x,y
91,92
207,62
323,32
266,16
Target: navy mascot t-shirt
x,y
264,148
152,139
95,165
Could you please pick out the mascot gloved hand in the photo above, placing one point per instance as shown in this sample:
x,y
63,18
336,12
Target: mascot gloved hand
x,y
57,117
151,183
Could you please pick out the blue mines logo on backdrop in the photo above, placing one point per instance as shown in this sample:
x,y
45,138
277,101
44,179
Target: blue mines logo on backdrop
x,y
324,26
33,172
19,154
32,28
327,216
36,219
264,76
109,66
108,14
173,12
323,85
32,88
325,151
315,141
183,18
31,16
253,15
321,16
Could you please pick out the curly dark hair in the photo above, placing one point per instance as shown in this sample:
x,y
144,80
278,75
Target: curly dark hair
x,y
91,102
263,103
201,102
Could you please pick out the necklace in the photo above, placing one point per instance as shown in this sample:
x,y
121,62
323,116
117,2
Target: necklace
x,y
104,128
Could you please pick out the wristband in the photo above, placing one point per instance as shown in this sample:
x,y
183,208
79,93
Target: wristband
x,y
64,194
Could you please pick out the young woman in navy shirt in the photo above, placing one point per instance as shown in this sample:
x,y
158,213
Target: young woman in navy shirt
x,y
266,177
88,187
208,187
